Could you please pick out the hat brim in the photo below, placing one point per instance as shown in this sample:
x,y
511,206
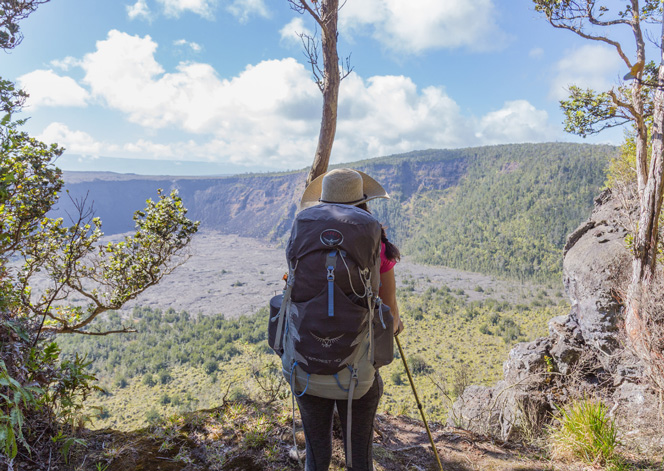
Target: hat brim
x,y
371,188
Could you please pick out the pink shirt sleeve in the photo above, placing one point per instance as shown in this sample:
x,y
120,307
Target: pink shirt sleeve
x,y
385,264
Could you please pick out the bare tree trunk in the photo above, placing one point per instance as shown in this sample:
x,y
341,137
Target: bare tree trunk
x,y
331,80
647,236
637,102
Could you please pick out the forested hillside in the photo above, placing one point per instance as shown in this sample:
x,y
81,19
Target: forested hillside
x,y
503,210
512,211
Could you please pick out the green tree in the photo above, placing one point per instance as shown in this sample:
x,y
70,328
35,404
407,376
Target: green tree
x,y
641,103
11,13
35,386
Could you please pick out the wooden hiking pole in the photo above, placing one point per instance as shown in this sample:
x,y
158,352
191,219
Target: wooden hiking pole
x,y
419,405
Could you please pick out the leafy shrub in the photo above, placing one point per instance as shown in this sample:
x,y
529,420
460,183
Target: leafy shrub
x,y
461,379
61,389
229,351
152,416
584,432
211,366
149,380
165,377
509,330
418,365
396,377
121,382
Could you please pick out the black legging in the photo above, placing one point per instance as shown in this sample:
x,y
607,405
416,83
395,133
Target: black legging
x,y
317,416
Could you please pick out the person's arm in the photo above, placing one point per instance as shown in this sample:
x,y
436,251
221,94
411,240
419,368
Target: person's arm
x,y
388,293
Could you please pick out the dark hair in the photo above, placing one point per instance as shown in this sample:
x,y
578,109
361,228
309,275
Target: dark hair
x,y
391,250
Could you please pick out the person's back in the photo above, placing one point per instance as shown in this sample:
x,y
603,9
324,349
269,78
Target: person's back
x,y
332,330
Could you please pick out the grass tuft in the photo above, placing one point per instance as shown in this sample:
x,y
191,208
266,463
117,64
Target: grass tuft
x,y
584,432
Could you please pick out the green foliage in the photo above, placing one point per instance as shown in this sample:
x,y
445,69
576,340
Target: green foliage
x,y
152,416
439,336
622,168
498,218
588,112
211,366
11,13
33,381
65,443
418,365
586,433
159,345
38,389
461,380
15,398
397,378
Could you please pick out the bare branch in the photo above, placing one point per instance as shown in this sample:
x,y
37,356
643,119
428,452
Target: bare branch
x,y
346,68
301,6
310,45
622,104
591,37
595,21
124,330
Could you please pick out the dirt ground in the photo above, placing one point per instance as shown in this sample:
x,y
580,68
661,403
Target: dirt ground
x,y
253,437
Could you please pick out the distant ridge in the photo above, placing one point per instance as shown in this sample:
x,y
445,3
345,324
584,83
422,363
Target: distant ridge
x,y
69,162
72,176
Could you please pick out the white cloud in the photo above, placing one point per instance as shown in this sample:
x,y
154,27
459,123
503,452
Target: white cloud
x,y
387,114
66,63
175,8
46,88
536,53
591,66
517,121
269,114
249,116
192,45
139,10
290,33
76,142
413,27
243,10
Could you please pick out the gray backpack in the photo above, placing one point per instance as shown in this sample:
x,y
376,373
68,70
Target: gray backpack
x,y
329,326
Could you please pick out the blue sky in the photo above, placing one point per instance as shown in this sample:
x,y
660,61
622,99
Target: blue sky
x,y
222,86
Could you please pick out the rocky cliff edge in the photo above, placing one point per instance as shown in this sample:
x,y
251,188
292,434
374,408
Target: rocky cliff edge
x,y
583,355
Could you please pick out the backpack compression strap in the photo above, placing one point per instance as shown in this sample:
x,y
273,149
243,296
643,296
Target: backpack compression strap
x,y
285,305
349,418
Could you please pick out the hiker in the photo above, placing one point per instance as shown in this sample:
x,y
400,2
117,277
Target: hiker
x,y
348,187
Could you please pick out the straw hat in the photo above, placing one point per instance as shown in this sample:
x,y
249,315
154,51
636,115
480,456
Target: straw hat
x,y
344,186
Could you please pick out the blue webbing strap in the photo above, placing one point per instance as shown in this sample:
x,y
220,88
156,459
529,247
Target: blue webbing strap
x,y
293,382
336,376
330,263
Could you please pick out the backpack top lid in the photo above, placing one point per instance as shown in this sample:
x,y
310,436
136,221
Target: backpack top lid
x,y
332,226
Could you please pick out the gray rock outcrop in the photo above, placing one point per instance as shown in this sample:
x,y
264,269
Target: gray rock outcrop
x,y
595,265
582,355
